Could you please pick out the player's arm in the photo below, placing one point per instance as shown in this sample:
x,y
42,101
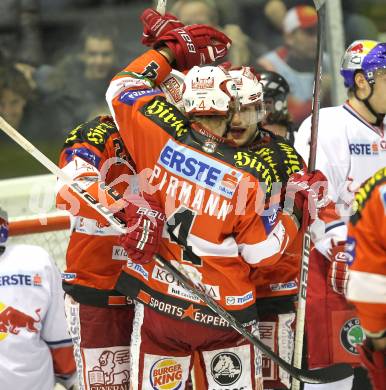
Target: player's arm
x,y
182,47
264,236
261,235
83,155
367,283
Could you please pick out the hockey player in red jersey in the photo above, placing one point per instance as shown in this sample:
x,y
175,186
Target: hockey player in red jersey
x,y
277,285
100,318
211,201
366,287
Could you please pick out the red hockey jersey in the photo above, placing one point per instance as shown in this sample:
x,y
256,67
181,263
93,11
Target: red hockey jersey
x,y
213,196
366,246
94,257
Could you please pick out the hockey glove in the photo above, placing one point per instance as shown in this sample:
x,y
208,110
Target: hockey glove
x,y
144,219
338,272
195,45
304,194
156,25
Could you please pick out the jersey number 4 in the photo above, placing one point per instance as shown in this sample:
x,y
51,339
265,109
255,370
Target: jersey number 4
x,y
179,226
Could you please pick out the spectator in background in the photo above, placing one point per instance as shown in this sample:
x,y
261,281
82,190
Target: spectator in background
x,y
356,25
14,95
19,105
295,61
35,346
76,86
206,12
20,39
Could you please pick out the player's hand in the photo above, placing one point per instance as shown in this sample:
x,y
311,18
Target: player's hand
x,y
144,219
306,193
338,271
195,45
156,25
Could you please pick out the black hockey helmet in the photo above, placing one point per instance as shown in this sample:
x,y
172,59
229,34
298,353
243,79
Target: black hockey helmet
x,y
276,90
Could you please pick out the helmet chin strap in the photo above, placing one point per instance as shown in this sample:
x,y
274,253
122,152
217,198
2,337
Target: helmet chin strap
x,y
366,101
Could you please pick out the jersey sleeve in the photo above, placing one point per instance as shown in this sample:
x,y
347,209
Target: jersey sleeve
x,y
54,331
262,241
85,150
366,244
133,87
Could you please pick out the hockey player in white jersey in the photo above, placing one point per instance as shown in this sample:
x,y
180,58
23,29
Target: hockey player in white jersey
x,y
35,346
351,147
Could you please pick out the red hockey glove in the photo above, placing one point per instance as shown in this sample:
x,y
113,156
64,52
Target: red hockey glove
x,y
195,45
304,194
338,272
144,219
374,361
156,25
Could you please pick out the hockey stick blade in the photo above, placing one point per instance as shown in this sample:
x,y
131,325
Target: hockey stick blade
x,y
324,375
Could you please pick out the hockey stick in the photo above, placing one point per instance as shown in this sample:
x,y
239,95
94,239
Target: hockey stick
x,y
44,160
323,375
320,6
161,6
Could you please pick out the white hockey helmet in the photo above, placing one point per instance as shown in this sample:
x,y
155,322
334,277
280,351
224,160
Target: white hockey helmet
x,y
208,90
249,88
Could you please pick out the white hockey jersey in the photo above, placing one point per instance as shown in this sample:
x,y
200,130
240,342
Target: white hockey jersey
x,y
349,151
34,341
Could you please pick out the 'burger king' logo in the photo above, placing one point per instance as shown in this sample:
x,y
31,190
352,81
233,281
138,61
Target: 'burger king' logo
x,y
166,374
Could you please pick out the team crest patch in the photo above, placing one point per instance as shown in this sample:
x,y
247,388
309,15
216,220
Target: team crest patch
x,y
226,368
351,334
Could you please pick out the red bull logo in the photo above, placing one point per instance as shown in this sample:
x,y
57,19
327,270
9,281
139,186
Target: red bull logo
x,y
166,374
13,320
357,48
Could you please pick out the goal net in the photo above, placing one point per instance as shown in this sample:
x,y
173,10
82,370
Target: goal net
x,y
33,218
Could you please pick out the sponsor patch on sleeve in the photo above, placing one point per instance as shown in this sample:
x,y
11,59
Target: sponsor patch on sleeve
x,y
84,153
350,249
269,219
130,97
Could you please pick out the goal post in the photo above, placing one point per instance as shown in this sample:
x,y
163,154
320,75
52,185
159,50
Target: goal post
x,y
33,217
51,232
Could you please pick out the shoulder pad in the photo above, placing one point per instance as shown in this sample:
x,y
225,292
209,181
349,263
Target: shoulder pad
x,y
95,132
166,116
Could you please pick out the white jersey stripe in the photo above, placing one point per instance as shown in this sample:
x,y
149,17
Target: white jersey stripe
x,y
366,287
